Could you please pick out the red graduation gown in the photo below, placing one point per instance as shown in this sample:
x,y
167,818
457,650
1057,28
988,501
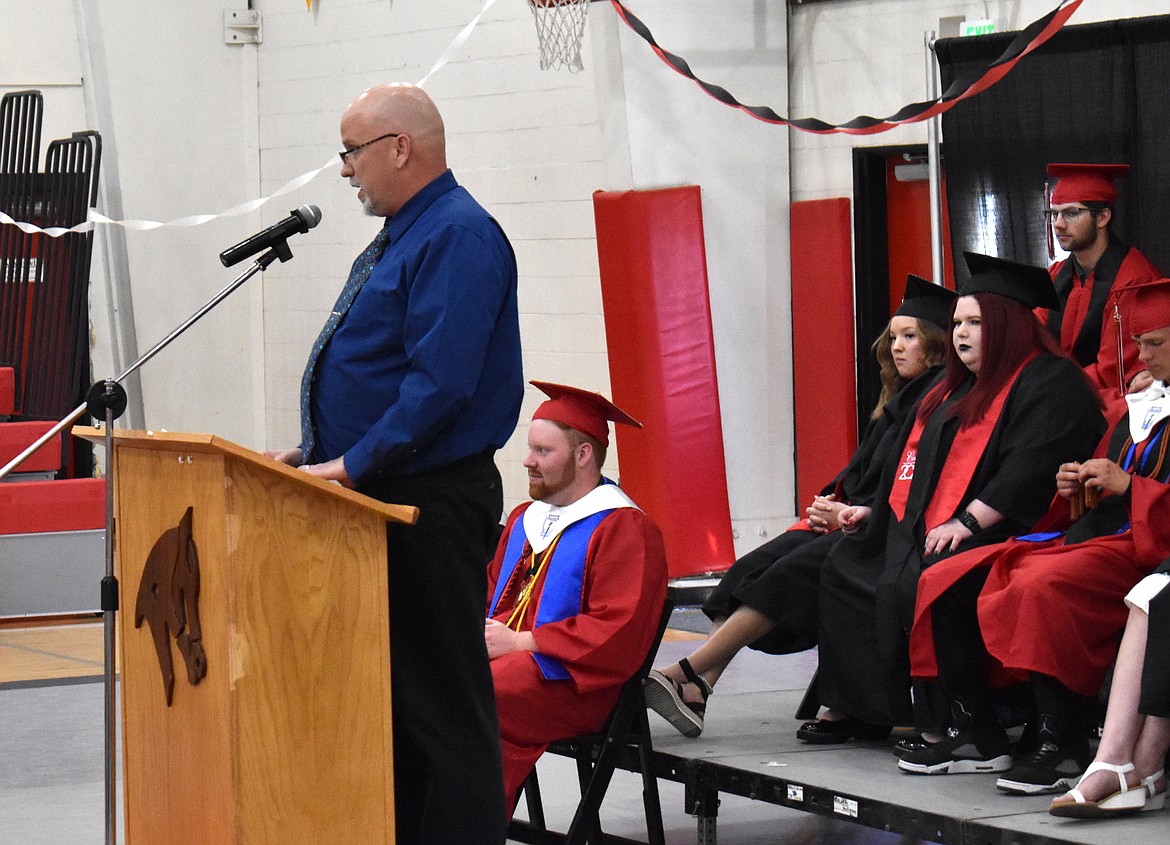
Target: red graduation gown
x,y
1094,346
623,592
1052,608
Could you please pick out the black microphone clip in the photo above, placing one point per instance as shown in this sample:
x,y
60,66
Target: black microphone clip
x,y
275,236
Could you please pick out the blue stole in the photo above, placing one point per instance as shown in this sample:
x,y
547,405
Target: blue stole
x,y
561,595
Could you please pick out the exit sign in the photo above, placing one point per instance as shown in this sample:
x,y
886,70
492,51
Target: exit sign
x,y
978,27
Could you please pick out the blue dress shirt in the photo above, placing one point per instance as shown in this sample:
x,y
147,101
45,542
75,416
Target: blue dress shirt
x,y
425,368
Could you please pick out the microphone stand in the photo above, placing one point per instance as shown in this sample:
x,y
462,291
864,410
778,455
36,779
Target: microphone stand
x,y
106,400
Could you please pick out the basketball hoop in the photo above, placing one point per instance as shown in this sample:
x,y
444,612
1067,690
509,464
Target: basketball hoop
x,y
560,27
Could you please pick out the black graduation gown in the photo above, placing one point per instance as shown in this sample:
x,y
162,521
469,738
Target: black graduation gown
x,y
869,582
781,578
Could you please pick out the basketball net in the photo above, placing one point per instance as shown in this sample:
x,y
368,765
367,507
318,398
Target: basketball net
x,y
560,27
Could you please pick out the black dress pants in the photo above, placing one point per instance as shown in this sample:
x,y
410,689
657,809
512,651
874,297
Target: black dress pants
x,y
448,775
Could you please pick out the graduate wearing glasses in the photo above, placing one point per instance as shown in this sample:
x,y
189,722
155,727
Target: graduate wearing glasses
x,y
1080,211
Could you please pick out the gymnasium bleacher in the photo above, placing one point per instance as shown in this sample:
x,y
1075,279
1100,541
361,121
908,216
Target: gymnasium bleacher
x,y
51,528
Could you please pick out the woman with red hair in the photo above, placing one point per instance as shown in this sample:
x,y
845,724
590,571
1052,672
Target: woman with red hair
x,y
975,466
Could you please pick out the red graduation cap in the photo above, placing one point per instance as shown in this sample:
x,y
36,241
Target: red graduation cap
x,y
1145,307
1086,182
587,412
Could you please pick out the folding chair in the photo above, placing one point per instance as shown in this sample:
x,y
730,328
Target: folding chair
x,y
597,754
810,702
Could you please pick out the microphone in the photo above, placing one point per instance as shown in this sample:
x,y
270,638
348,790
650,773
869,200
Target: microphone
x,y
299,220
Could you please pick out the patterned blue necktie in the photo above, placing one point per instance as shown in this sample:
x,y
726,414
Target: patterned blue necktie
x,y
357,277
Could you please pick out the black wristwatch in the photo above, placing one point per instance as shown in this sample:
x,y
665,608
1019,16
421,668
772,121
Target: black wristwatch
x,y
968,521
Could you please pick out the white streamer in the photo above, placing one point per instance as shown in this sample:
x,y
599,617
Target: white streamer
x,y
93,218
459,41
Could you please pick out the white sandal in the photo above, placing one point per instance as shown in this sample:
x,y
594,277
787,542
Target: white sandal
x,y
1124,800
1154,800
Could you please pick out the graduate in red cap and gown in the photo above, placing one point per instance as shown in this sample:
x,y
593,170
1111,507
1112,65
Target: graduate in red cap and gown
x,y
576,587
1080,211
1047,607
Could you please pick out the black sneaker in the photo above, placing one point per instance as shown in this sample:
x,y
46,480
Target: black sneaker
x,y
969,747
1055,766
959,754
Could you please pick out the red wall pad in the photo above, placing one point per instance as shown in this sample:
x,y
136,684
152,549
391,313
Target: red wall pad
x,y
15,437
7,391
662,369
32,507
824,379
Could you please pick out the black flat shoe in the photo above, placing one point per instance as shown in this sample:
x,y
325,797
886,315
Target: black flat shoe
x,y
825,732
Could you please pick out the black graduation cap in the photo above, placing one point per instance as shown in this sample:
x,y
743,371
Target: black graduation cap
x,y
1024,283
926,301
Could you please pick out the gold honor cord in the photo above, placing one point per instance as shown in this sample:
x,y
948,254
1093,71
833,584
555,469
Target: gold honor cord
x,y
525,598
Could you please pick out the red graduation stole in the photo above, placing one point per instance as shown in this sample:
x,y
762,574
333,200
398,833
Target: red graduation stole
x,y
965,453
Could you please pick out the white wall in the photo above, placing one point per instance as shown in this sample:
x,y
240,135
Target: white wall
x,y
33,55
677,134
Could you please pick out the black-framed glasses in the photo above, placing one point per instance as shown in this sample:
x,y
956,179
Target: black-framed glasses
x,y
1068,215
350,151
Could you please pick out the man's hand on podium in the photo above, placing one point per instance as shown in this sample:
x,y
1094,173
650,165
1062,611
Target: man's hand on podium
x,y
330,470
292,457
333,470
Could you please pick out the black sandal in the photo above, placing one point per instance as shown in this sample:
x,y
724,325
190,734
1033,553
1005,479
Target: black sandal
x,y
664,697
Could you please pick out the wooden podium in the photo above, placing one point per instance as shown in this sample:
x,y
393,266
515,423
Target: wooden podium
x,y
287,737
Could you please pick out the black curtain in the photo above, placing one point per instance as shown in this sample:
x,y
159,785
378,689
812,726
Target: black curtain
x,y
1093,93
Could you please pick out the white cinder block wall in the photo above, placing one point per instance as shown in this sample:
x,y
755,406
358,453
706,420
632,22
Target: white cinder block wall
x,y
197,126
677,134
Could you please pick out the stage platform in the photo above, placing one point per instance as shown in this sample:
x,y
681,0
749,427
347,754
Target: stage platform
x,y
750,749
771,788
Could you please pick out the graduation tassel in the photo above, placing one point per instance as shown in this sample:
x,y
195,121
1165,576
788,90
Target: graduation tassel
x,y
1048,223
1120,352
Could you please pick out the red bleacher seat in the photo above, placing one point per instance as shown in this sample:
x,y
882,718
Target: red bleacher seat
x,y
15,437
7,391
74,504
